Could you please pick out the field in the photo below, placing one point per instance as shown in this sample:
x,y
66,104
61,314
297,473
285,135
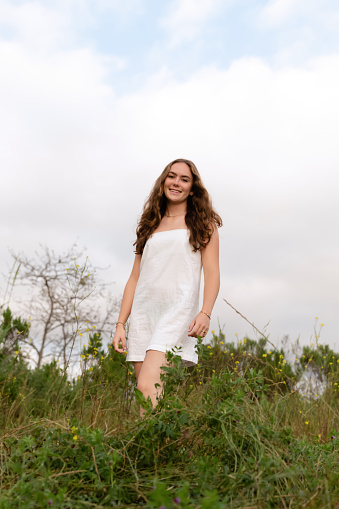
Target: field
x,y
231,432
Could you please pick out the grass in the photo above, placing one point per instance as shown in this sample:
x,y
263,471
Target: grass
x,y
231,432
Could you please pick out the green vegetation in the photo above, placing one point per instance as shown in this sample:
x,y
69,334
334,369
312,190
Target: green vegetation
x,y
231,432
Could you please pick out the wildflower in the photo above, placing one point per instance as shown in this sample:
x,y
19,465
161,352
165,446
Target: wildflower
x,y
208,346
232,354
211,353
110,463
319,436
237,362
86,330
331,363
333,437
49,501
177,500
264,355
307,423
221,342
213,331
80,334
17,352
94,327
75,437
270,352
83,356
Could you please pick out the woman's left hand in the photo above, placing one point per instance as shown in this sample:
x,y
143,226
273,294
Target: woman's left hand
x,y
199,326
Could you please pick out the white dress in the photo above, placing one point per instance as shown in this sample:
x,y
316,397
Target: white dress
x,y
166,297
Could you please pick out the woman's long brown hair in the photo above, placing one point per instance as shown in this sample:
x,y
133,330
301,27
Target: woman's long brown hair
x,y
201,218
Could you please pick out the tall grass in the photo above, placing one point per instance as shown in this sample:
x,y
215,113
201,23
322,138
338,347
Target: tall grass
x,y
231,432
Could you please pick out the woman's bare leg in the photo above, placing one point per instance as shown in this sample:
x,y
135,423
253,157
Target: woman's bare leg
x,y
137,368
148,374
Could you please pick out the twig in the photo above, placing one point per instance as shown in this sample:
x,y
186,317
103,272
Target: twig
x,y
95,464
252,324
67,473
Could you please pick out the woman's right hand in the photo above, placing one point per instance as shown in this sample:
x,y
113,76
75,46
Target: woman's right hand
x,y
119,338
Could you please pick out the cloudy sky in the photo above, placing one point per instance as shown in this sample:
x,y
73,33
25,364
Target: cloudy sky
x,y
97,96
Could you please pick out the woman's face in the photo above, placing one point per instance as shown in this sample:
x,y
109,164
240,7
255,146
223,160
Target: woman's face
x,y
178,183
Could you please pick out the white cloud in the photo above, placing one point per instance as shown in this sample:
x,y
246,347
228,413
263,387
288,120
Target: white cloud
x,y
187,18
34,25
279,12
77,162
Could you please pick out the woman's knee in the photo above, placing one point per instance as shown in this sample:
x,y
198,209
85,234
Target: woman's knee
x,y
147,387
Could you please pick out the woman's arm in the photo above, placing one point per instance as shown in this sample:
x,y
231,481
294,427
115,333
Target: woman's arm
x,y
210,264
126,306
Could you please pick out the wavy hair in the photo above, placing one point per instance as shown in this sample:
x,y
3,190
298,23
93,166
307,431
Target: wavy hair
x,y
201,219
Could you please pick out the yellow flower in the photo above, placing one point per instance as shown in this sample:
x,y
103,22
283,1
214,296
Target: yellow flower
x,y
213,331
94,327
74,429
86,330
221,342
264,355
80,334
208,346
270,352
307,423
17,352
237,362
75,437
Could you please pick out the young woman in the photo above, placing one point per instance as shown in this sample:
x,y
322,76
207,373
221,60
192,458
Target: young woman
x,y
176,236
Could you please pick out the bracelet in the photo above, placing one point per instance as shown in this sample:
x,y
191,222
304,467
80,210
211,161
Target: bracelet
x,y
120,323
202,311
